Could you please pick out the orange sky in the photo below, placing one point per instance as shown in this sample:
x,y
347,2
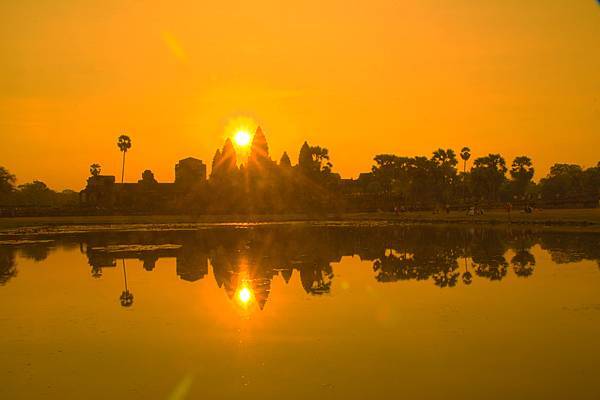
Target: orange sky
x,y
360,78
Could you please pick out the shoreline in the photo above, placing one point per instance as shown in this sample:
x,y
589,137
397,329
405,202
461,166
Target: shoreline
x,y
578,219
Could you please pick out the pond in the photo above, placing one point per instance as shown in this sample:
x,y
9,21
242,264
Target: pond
x,y
296,311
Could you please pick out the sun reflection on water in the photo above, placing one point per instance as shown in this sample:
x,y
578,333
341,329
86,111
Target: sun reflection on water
x,y
244,295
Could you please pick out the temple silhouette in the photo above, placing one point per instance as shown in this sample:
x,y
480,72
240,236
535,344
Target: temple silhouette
x,y
102,191
255,185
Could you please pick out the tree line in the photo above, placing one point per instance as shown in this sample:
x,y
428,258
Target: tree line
x,y
489,180
260,185
32,194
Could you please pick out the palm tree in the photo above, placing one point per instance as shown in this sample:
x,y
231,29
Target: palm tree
x,y
465,154
124,144
7,181
95,169
521,172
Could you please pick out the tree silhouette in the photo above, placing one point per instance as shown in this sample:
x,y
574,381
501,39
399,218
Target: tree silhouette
x,y
124,144
314,160
35,193
320,156
465,154
95,169
444,173
148,177
444,158
488,174
563,181
521,172
7,181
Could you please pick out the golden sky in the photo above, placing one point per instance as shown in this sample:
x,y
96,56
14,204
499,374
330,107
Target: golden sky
x,y
361,78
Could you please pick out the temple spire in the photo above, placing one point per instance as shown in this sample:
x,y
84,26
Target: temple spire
x,y
259,150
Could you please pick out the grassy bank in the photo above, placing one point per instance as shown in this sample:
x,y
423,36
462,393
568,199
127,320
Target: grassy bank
x,y
589,218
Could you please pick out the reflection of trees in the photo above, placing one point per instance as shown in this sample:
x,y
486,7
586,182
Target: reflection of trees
x,y
446,272
392,268
8,266
433,252
488,249
494,269
36,252
467,276
421,254
440,267
523,262
257,254
573,247
316,277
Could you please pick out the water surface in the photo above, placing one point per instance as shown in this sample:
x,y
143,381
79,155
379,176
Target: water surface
x,y
300,311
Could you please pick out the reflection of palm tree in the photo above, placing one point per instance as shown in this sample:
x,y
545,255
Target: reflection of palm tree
x,y
523,263
467,277
126,296
96,271
124,144
488,255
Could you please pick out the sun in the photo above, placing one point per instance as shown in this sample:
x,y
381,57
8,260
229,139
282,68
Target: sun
x,y
242,138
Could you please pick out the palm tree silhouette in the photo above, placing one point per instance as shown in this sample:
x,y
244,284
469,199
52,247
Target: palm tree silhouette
x,y
124,144
95,169
465,154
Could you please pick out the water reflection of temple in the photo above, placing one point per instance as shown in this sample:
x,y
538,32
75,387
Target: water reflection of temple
x,y
255,255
